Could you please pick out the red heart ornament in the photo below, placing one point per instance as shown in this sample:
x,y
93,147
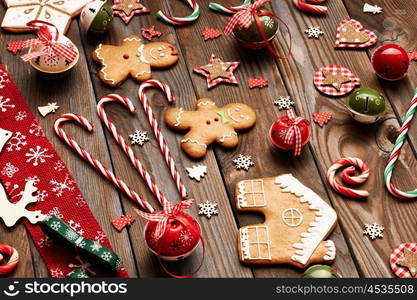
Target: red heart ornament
x,y
351,34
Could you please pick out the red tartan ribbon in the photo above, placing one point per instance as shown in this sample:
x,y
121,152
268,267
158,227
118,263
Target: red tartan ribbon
x,y
294,130
243,17
45,38
169,211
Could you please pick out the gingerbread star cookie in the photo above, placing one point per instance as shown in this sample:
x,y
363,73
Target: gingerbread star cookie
x,y
218,71
57,12
403,260
127,9
210,124
133,58
297,222
351,34
334,80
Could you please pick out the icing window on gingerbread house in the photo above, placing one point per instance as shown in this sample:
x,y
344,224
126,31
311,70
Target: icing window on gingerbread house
x,y
292,217
255,242
252,193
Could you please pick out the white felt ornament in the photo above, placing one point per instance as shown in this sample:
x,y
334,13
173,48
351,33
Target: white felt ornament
x,y
50,108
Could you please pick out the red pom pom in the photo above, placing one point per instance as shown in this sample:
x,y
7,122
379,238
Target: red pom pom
x,y
280,128
390,62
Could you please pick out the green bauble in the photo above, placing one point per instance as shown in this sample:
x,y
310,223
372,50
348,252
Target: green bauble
x,y
320,271
96,16
252,34
366,105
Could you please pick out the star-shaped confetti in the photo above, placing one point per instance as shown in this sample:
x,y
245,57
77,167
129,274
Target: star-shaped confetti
x,y
257,82
127,9
139,138
197,172
149,33
284,102
313,32
243,162
409,261
208,209
218,71
335,79
374,231
210,33
322,118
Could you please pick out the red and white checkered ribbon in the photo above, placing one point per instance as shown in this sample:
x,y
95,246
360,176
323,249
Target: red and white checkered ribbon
x,y
45,38
243,17
294,132
170,211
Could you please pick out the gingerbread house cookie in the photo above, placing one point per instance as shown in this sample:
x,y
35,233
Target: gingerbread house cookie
x,y
297,222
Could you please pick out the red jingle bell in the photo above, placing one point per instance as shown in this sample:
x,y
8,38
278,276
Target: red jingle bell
x,y
290,132
180,239
390,62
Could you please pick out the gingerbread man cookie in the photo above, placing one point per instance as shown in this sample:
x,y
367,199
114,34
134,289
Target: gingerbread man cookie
x,y
133,58
297,221
209,124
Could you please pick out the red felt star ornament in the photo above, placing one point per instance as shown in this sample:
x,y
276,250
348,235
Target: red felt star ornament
x,y
127,9
122,222
149,33
210,33
322,118
218,71
257,82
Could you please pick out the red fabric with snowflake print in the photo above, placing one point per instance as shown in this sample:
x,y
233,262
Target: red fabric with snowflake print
x,y
29,155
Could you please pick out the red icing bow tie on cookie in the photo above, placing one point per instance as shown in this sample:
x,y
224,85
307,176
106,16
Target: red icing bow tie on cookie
x,y
44,38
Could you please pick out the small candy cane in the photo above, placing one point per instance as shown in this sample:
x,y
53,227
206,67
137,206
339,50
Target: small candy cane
x,y
181,21
157,130
396,151
312,7
13,259
125,146
94,162
348,176
228,9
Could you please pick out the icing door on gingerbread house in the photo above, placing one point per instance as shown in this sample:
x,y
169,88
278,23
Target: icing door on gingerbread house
x,y
296,223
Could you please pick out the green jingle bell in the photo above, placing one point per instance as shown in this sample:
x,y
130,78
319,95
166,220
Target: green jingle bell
x,y
366,105
251,37
320,271
96,16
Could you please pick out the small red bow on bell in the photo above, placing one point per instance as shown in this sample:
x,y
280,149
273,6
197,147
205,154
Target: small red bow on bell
x,y
122,222
294,130
243,17
170,211
45,38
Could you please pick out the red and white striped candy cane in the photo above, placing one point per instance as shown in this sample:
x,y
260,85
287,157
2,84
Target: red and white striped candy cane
x,y
311,6
157,130
181,20
125,146
13,259
94,162
348,176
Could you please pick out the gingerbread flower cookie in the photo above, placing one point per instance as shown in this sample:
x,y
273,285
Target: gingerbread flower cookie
x,y
351,34
297,221
133,58
210,124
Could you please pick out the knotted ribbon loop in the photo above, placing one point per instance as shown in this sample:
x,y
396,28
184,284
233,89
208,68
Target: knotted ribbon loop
x,y
243,17
294,130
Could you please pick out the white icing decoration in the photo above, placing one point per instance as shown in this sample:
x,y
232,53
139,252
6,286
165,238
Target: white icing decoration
x,y
104,65
178,120
141,56
242,116
132,39
152,50
193,141
246,243
292,217
227,136
319,228
331,250
203,103
242,200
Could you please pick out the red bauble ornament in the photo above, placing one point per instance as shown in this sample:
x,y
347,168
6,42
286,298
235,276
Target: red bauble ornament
x,y
390,62
179,240
280,128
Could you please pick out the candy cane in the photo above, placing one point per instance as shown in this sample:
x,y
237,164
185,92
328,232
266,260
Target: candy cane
x,y
181,21
311,8
348,176
94,162
157,130
228,9
13,259
125,146
396,151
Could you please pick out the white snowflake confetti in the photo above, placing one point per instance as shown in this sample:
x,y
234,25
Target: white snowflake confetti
x,y
96,246
139,138
37,155
106,256
36,129
59,166
208,209
9,170
60,187
99,238
16,142
76,227
197,172
45,242
373,231
314,32
55,225
57,273
243,162
5,104
284,102
56,213
21,115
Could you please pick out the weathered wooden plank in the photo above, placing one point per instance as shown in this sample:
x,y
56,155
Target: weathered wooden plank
x,y
269,161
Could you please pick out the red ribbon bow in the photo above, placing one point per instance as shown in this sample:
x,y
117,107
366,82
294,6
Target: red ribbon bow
x,y
294,130
45,38
170,211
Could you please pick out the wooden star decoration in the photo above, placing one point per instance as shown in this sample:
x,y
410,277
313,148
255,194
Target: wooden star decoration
x,y
218,71
335,79
127,9
409,261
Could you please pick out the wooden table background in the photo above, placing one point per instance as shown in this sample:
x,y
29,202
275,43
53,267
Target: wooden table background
x,y
357,255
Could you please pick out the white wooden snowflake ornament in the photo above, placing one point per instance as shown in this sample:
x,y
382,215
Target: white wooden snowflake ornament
x,y
373,231
243,162
284,102
208,209
314,32
139,138
197,172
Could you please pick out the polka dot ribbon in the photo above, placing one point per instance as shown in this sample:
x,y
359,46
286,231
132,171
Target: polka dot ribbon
x,y
181,20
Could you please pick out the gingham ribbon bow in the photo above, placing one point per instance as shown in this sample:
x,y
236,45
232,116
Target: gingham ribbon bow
x,y
243,17
170,211
44,38
294,130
